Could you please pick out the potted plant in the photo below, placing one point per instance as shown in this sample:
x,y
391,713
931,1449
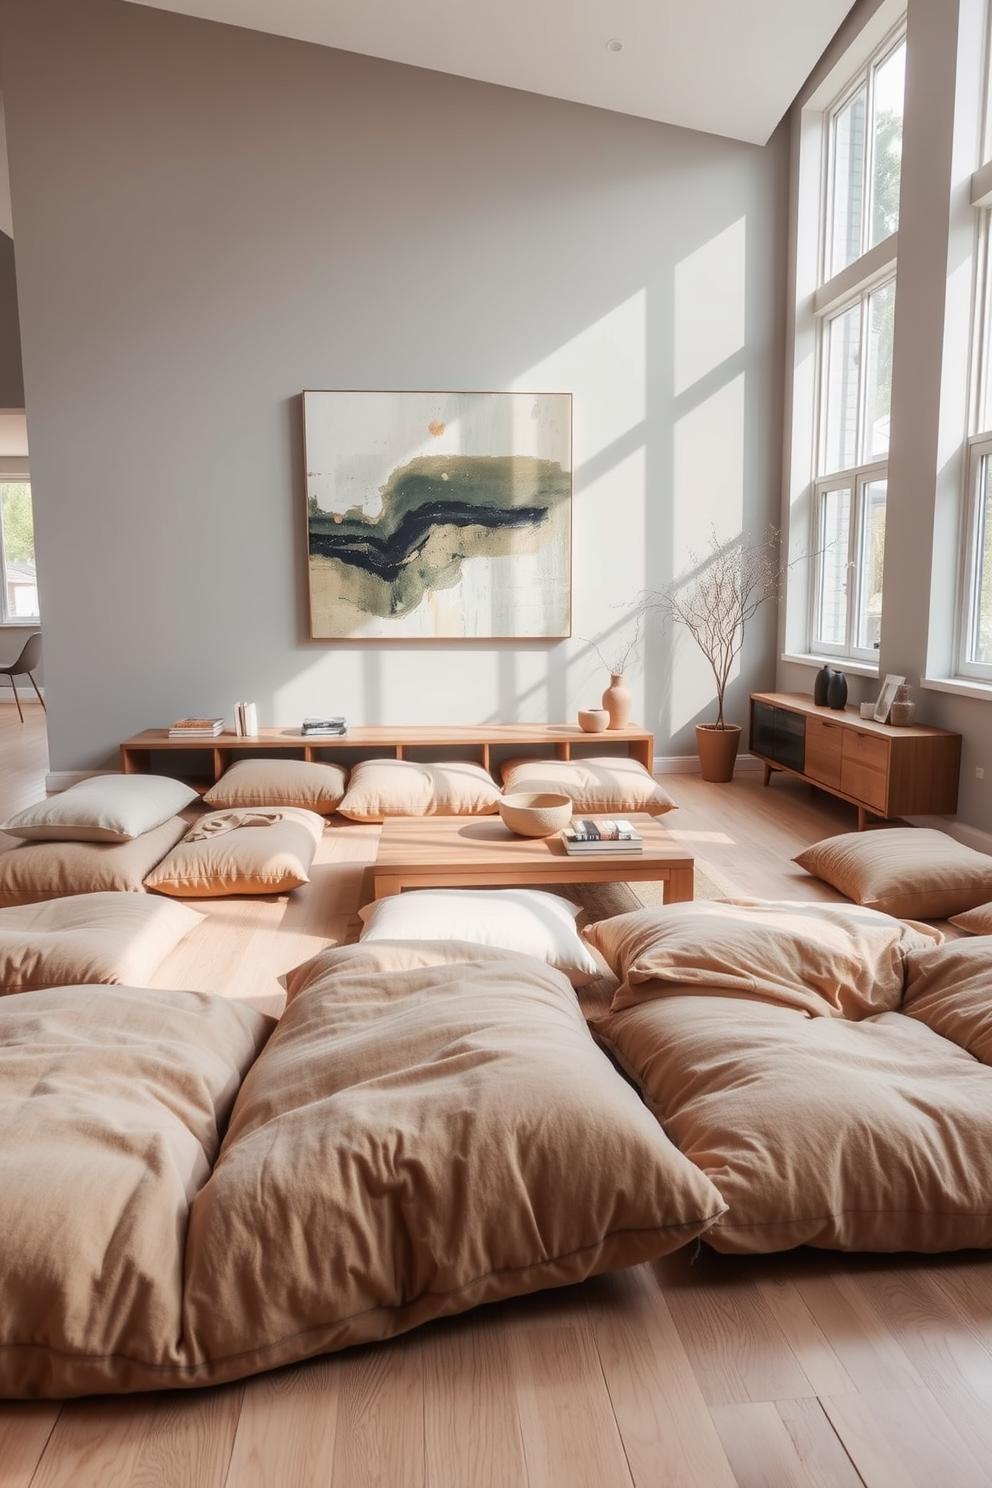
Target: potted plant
x,y
715,599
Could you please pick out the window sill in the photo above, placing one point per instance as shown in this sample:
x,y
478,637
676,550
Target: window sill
x,y
841,663
959,687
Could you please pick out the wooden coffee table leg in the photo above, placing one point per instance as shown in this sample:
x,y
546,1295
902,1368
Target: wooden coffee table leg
x,y
679,886
384,885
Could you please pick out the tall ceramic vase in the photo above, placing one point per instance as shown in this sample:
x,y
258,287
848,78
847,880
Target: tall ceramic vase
x,y
618,701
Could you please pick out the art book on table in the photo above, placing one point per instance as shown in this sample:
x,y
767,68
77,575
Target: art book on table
x,y
602,835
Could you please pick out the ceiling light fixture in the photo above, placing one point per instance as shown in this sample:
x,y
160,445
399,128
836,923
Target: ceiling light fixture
x,y
614,44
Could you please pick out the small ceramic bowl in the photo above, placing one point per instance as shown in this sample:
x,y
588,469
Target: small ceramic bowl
x,y
593,720
535,813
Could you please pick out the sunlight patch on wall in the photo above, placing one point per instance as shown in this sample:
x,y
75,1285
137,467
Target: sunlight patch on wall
x,y
709,305
708,475
605,369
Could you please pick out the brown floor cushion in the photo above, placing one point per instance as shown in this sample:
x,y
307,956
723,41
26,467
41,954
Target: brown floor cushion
x,y
49,870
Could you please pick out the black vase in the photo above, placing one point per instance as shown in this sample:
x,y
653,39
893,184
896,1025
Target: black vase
x,y
821,683
837,690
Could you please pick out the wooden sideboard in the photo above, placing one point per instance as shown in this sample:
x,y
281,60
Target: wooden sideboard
x,y
210,757
882,770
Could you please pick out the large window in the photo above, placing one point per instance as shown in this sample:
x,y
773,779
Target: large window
x,y
19,595
854,308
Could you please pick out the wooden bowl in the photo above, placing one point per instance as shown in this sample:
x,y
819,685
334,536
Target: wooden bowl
x,y
535,813
594,720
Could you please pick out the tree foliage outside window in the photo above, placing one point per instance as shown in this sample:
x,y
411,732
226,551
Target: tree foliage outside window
x,y
20,589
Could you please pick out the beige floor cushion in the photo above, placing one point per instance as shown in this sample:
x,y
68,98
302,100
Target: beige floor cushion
x,y
835,960
914,872
977,921
871,1135
389,787
311,784
89,938
950,989
529,921
242,851
50,870
612,784
104,808
430,1127
111,1108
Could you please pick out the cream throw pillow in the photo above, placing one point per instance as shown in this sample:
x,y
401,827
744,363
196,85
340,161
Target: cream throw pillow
x,y
389,787
241,852
613,784
977,921
950,989
530,921
912,872
105,808
834,960
49,870
310,784
89,938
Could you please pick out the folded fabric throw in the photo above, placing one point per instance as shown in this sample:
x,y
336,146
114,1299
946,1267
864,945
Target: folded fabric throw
x,y
227,821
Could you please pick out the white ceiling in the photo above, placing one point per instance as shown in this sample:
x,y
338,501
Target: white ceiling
x,y
729,67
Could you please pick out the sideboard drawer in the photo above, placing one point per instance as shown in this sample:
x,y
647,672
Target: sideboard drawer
x,y
866,749
824,741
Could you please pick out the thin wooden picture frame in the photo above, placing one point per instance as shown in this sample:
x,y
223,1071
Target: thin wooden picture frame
x,y
884,700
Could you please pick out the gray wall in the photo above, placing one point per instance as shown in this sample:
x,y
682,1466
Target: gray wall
x,y
210,220
11,376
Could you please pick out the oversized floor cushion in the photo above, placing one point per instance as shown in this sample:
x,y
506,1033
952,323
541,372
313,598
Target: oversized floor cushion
x,y
612,784
111,938
49,870
430,1127
113,1101
249,850
854,1135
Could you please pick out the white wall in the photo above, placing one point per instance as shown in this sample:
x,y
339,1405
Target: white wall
x,y
210,220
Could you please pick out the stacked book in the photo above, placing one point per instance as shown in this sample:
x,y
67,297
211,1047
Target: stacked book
x,y
196,728
333,725
605,836
246,720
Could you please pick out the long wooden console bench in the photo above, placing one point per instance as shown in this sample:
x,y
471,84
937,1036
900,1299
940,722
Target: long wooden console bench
x,y
213,756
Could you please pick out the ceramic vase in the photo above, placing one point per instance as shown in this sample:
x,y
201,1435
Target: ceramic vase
x,y
821,683
618,701
837,691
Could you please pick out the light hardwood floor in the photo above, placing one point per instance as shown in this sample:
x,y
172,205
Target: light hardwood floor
x,y
803,1370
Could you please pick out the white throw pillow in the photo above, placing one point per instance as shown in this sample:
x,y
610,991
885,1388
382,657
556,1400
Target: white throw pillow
x,y
529,921
105,808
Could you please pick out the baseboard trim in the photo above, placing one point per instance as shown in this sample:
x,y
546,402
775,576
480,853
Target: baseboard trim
x,y
688,764
60,780
960,831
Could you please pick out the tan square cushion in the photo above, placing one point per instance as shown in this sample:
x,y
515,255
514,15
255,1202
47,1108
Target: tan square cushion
x,y
49,870
835,960
419,1138
977,921
241,852
104,808
112,1104
913,872
613,784
950,989
529,921
89,938
389,787
311,784
871,1135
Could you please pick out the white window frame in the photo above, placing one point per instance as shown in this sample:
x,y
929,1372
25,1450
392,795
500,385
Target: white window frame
x,y
13,473
979,459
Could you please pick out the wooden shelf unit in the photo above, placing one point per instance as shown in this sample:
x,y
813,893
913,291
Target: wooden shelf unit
x,y
883,771
557,741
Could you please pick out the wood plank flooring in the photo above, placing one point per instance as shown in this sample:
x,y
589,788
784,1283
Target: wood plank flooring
x,y
803,1370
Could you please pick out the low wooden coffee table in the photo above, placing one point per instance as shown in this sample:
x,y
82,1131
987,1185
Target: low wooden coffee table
x,y
420,852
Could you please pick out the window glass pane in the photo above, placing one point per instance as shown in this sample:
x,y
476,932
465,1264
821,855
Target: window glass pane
x,y
843,345
981,638
869,618
832,557
878,379
847,183
890,79
17,534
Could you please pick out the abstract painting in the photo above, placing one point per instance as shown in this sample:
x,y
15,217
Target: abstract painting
x,y
439,515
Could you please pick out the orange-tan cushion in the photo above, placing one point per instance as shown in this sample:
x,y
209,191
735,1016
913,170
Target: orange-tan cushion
x,y
834,960
429,1128
871,1135
249,851
977,921
950,989
112,1105
612,784
913,872
387,787
50,870
89,938
311,784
